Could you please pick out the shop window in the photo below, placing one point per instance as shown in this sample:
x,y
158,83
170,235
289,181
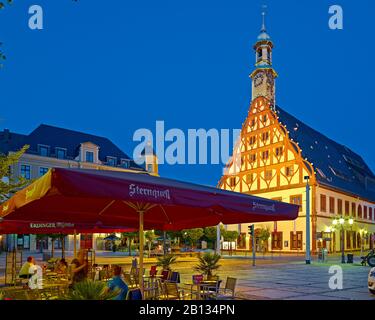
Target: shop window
x,y
296,240
277,240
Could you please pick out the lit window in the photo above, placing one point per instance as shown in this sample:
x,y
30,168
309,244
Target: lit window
x,y
253,157
265,155
89,156
323,203
250,178
265,136
331,205
232,181
26,171
289,171
297,200
252,140
42,171
279,151
268,174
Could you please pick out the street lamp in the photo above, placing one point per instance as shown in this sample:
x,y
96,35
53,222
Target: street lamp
x,y
341,223
308,258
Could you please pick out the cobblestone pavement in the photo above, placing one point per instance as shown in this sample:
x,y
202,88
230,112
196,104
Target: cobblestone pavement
x,y
274,278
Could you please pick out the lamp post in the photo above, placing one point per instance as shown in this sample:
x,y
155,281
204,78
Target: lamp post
x,y
308,257
341,223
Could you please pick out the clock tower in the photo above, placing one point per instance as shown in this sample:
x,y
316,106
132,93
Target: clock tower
x,y
263,77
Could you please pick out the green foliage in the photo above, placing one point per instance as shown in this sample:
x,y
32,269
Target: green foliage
x,y
91,290
230,235
264,234
210,233
192,235
10,185
166,261
208,263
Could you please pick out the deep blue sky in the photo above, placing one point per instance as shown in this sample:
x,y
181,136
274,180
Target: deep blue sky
x,y
111,67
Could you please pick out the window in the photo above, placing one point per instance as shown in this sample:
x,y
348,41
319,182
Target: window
x,y
252,123
359,212
339,206
268,174
89,156
348,239
252,140
250,178
265,155
323,203
296,240
365,212
260,54
277,199
26,171
149,167
125,163
354,212
42,171
277,240
111,161
297,200
60,153
279,151
289,171
232,181
253,157
331,205
371,217
347,208
43,150
265,136
264,119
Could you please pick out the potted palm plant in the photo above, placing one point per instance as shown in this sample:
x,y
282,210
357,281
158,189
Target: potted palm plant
x,y
208,263
91,290
166,261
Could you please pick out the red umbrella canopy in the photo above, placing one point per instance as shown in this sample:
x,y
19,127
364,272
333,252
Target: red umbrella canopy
x,y
111,198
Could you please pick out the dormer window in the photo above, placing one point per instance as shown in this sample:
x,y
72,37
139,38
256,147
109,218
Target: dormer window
x,y
112,161
89,156
125,163
43,150
60,153
259,54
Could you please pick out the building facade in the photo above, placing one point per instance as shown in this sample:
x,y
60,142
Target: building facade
x,y
53,147
276,157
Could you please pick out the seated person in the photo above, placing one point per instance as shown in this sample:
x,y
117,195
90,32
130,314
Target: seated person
x,y
36,280
117,283
62,266
25,269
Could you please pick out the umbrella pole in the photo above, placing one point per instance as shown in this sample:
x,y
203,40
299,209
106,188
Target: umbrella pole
x,y
75,243
141,244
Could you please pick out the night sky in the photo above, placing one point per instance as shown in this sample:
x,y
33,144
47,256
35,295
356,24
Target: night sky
x,y
112,67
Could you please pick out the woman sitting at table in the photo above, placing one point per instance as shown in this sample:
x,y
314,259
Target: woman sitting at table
x,y
78,269
62,266
117,283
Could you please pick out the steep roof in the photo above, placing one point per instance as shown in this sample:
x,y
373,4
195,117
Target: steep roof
x,y
56,137
336,165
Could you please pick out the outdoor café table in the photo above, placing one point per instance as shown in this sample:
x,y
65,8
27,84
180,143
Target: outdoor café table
x,y
199,286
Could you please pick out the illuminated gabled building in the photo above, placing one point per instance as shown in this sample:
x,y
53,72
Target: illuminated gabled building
x,y
273,156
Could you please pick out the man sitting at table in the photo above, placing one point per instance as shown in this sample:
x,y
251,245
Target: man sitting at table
x,y
25,269
117,283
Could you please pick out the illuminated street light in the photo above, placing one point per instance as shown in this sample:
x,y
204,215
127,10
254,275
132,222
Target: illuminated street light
x,y
334,222
351,221
342,221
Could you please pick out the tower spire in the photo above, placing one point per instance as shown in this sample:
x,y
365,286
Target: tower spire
x,y
264,7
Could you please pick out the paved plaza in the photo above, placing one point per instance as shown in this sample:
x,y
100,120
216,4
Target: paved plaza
x,y
274,278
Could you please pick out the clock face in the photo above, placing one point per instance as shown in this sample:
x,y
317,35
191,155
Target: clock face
x,y
258,79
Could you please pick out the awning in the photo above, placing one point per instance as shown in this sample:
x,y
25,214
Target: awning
x,y
110,198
